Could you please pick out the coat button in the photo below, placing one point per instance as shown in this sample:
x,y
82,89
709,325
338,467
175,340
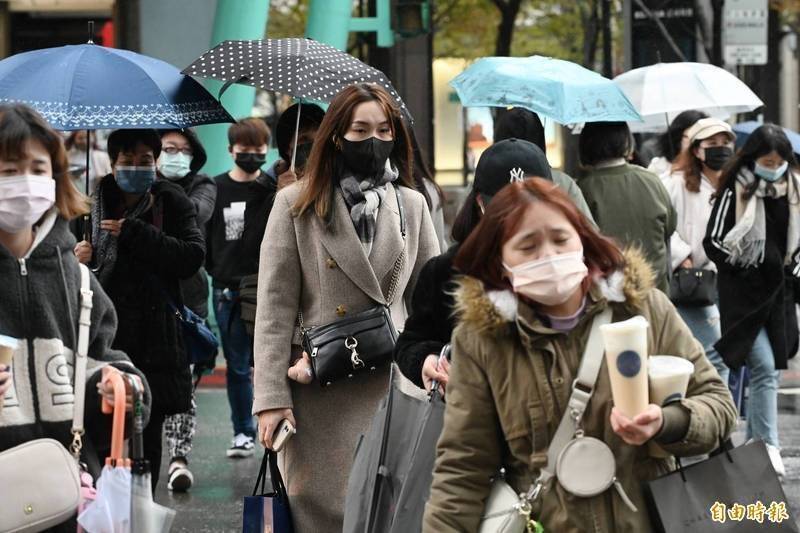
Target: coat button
x,y
559,380
331,263
341,310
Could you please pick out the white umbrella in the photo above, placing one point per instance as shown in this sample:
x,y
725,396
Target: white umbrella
x,y
661,91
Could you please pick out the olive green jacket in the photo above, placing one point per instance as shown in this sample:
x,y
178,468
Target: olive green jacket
x,y
512,375
632,206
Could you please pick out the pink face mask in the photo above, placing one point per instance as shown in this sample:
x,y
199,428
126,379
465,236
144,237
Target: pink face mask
x,y
549,281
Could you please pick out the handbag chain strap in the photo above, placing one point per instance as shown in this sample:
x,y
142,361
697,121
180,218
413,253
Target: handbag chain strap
x,y
81,360
582,390
399,263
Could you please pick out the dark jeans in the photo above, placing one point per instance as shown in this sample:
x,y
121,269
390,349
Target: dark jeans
x,y
237,345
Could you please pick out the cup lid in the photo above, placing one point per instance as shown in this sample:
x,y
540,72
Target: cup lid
x,y
665,365
8,342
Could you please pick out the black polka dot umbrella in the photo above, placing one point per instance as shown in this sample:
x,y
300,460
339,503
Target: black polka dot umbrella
x,y
302,68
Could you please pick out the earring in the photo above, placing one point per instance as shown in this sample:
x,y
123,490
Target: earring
x,y
337,143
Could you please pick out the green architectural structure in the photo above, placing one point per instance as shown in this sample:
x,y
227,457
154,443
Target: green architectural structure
x,y
329,21
235,19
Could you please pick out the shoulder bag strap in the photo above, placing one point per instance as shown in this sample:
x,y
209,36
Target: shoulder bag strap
x,y
401,259
81,360
582,390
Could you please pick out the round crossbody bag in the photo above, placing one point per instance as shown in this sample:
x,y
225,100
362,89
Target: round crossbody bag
x,y
586,467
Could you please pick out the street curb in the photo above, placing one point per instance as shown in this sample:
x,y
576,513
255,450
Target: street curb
x,y
215,380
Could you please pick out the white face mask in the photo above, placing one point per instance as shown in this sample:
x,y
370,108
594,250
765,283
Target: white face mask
x,y
23,200
549,281
174,166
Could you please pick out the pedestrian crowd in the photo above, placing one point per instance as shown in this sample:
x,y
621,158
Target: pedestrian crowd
x,y
332,267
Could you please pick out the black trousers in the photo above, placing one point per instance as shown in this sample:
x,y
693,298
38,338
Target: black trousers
x,y
152,438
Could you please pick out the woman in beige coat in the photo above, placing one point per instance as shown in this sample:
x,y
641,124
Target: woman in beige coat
x,y
330,249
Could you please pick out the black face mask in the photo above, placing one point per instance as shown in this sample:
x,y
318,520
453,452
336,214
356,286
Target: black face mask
x,y
303,152
250,162
366,157
717,156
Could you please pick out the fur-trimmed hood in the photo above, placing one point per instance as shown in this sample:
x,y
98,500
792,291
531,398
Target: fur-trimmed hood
x,y
490,311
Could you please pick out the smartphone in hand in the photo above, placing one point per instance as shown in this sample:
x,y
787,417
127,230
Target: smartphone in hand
x,y
282,434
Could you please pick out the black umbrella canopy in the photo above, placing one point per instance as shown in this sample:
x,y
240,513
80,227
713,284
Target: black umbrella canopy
x,y
302,68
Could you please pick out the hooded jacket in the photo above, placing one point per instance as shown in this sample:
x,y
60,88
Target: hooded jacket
x,y
154,251
202,191
40,296
510,378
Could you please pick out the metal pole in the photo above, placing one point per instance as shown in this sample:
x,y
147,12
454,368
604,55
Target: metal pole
x,y
296,134
606,21
87,233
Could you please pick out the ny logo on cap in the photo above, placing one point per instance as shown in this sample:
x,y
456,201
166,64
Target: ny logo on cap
x,y
517,175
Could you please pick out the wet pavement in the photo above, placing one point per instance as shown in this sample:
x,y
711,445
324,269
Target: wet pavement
x,y
214,503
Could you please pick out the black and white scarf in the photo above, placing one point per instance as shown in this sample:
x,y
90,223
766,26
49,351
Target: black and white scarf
x,y
363,197
104,244
745,242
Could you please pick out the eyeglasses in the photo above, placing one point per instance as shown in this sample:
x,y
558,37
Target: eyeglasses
x,y
173,150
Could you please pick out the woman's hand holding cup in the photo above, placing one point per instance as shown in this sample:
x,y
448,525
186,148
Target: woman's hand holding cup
x,y
641,429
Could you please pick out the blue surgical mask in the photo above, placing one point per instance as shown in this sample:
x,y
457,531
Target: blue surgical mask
x,y
135,180
174,166
771,174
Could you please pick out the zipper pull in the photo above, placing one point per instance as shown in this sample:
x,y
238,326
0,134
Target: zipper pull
x,y
23,269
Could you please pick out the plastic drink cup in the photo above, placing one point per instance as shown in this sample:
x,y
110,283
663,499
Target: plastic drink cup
x,y
7,347
669,378
626,358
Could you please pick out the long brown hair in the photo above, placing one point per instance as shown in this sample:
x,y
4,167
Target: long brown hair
x,y
481,254
691,166
324,162
20,124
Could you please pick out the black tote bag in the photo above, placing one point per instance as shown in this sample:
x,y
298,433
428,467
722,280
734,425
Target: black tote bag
x,y
268,512
712,495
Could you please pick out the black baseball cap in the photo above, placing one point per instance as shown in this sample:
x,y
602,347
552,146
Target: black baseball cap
x,y
506,162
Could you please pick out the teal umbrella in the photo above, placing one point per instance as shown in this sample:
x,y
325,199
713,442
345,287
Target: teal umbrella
x,y
557,89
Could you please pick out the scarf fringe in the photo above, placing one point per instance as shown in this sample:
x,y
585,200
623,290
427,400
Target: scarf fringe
x,y
747,253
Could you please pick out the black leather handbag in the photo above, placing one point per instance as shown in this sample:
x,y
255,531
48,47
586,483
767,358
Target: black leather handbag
x,y
359,343
353,345
693,287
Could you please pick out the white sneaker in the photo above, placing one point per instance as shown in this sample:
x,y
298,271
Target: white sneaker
x,y
242,446
775,459
180,477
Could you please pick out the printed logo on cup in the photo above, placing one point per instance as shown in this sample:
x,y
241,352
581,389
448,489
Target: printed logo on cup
x,y
629,363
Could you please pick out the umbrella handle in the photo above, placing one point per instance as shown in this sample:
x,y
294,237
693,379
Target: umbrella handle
x,y
118,429
443,355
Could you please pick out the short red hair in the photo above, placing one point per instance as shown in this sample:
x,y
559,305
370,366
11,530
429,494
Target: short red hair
x,y
480,256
